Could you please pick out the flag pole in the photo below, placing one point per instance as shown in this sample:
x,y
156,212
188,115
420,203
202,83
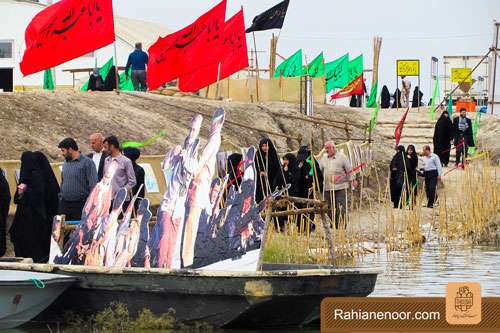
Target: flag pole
x,y
257,66
117,78
217,89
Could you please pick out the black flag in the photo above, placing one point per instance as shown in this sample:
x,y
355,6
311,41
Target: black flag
x,y
270,19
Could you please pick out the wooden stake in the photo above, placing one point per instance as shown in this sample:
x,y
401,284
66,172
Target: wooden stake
x,y
256,66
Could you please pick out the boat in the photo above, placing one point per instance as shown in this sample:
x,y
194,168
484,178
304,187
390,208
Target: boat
x,y
277,296
24,294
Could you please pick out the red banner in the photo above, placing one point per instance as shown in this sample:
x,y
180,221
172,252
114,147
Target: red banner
x,y
197,45
66,30
399,129
353,88
234,57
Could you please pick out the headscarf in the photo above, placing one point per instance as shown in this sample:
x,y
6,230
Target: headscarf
x,y
443,131
412,161
398,160
51,187
132,153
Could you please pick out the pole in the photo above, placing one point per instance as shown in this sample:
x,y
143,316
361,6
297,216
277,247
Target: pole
x,y
256,66
497,24
217,89
117,78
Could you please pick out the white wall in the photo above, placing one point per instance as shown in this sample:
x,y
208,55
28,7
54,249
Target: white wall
x,y
14,18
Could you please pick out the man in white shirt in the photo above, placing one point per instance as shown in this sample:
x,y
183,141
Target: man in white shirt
x,y
98,155
337,176
433,172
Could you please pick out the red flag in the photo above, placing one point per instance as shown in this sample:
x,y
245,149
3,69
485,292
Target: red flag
x,y
66,30
399,129
353,88
197,45
234,57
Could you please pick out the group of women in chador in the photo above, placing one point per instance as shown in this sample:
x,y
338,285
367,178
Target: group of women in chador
x,y
36,198
403,176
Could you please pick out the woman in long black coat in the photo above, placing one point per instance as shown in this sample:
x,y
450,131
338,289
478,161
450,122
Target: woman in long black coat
x,y
305,173
36,200
4,211
268,170
385,98
397,179
290,171
411,167
443,134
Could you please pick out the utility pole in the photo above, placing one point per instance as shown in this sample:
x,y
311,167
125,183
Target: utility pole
x,y
495,56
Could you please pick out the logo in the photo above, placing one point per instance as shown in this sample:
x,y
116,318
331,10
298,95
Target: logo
x,y
463,303
464,299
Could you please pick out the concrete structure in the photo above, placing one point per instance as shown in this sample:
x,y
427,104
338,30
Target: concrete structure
x,y
15,15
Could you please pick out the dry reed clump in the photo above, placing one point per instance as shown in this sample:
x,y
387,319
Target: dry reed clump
x,y
116,318
472,205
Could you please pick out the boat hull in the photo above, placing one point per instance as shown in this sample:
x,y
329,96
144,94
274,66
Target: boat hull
x,y
21,301
223,299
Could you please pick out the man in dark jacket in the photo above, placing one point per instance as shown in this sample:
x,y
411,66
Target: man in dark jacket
x,y
137,60
462,127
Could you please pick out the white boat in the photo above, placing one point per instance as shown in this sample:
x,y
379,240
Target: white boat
x,y
24,294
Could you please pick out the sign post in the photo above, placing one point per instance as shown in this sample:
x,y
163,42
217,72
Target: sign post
x,y
409,67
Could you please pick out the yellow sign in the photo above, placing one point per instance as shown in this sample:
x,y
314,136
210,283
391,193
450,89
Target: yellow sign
x,y
408,67
461,74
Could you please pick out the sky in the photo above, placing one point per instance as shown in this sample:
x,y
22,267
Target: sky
x,y
410,29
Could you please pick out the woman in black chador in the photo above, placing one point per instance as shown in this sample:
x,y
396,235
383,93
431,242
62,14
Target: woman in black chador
x,y
411,167
36,199
417,97
397,180
268,170
290,171
397,99
443,134
385,98
4,211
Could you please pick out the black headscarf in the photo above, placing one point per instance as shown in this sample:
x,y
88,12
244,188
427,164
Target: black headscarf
x,y
233,162
268,162
385,98
133,154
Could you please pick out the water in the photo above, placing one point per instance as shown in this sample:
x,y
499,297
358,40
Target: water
x,y
422,272
426,272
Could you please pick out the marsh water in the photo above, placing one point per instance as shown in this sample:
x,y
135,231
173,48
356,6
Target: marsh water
x,y
417,272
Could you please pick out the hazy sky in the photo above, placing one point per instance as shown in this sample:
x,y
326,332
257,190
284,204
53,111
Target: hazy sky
x,y
410,29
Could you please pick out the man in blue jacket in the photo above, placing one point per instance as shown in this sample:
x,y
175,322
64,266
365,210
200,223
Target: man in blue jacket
x,y
138,60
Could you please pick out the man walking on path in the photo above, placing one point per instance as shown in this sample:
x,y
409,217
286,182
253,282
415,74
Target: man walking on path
x,y
138,60
433,172
464,138
337,175
78,178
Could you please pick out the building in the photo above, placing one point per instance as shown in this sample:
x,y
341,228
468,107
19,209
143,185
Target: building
x,y
15,15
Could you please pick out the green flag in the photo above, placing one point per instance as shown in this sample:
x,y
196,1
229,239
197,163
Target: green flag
x,y
435,97
450,106
126,84
355,68
336,73
290,67
103,72
374,116
372,100
316,67
48,82
137,144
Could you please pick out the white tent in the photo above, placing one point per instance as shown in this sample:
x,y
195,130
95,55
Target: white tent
x,y
15,15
